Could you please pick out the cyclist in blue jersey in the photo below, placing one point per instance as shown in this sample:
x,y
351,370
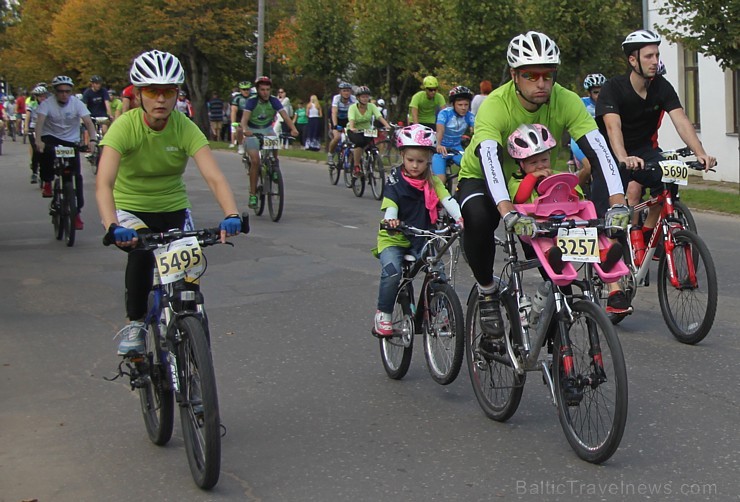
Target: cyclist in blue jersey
x,y
258,117
592,83
452,123
340,104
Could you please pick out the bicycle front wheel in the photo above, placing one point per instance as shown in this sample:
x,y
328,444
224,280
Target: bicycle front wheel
x,y
201,423
395,351
685,217
275,194
444,334
689,306
376,177
334,167
55,208
590,383
69,212
497,386
156,396
263,185
358,183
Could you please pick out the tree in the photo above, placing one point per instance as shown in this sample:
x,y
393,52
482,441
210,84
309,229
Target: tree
x,y
324,36
707,26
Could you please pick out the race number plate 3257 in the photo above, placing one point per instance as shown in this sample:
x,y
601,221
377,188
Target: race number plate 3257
x,y
579,244
179,260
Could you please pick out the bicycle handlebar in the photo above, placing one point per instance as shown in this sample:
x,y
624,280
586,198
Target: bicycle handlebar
x,y
206,236
411,231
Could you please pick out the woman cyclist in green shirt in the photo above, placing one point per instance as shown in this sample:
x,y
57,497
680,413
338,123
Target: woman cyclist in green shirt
x,y
139,184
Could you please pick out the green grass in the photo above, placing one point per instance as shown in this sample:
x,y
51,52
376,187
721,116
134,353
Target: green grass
x,y
714,200
294,152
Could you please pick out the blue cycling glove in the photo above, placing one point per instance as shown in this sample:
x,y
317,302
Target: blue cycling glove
x,y
232,224
122,234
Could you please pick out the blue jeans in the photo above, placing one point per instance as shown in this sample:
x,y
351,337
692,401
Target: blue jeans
x,y
391,259
439,163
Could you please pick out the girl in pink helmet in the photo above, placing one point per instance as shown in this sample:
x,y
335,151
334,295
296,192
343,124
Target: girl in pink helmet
x,y
412,195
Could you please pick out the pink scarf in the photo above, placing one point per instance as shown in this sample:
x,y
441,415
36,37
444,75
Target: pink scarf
x,y
430,196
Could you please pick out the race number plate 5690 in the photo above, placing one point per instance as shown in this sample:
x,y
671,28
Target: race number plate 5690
x,y
674,171
579,244
178,260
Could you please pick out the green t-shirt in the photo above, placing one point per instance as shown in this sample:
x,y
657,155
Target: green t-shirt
x,y
500,114
115,105
363,120
301,117
152,162
427,108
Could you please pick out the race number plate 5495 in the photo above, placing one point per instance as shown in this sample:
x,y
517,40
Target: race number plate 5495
x,y
179,260
579,244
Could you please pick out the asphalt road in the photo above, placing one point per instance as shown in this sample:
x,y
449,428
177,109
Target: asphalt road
x,y
310,413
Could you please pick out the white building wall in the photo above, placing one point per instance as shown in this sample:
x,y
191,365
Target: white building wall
x,y
715,106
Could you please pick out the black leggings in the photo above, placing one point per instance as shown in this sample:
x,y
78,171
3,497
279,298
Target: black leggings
x,y
47,165
481,220
140,265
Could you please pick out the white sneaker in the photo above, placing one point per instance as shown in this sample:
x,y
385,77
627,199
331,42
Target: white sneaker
x,y
240,150
383,324
231,145
132,338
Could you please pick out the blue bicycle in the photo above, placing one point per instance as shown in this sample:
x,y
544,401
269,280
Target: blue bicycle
x,y
341,159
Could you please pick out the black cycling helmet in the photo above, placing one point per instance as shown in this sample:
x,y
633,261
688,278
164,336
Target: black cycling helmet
x,y
460,92
96,79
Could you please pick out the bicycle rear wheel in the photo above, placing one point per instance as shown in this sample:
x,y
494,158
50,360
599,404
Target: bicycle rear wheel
x,y
69,212
444,335
690,307
497,386
156,396
395,351
201,423
376,176
275,194
592,396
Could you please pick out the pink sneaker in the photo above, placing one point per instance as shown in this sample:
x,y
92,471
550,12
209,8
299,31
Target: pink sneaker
x,y
383,324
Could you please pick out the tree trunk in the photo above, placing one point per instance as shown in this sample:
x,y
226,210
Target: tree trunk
x,y
196,76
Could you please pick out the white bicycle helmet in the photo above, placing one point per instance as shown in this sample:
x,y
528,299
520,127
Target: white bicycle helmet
x,y
532,48
156,68
416,135
639,39
381,102
593,80
529,140
62,80
39,90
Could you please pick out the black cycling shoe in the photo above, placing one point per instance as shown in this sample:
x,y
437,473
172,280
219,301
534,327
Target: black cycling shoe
x,y
489,308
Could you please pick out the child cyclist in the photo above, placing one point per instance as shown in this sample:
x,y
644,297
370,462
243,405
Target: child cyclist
x,y
412,194
529,145
452,122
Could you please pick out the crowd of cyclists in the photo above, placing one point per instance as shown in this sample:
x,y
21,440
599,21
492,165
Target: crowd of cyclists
x,y
500,154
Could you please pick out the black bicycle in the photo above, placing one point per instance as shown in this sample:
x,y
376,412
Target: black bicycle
x,y
270,185
93,157
371,171
176,365
63,205
437,315
583,364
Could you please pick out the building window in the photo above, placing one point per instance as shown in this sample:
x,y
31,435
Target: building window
x,y
691,86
